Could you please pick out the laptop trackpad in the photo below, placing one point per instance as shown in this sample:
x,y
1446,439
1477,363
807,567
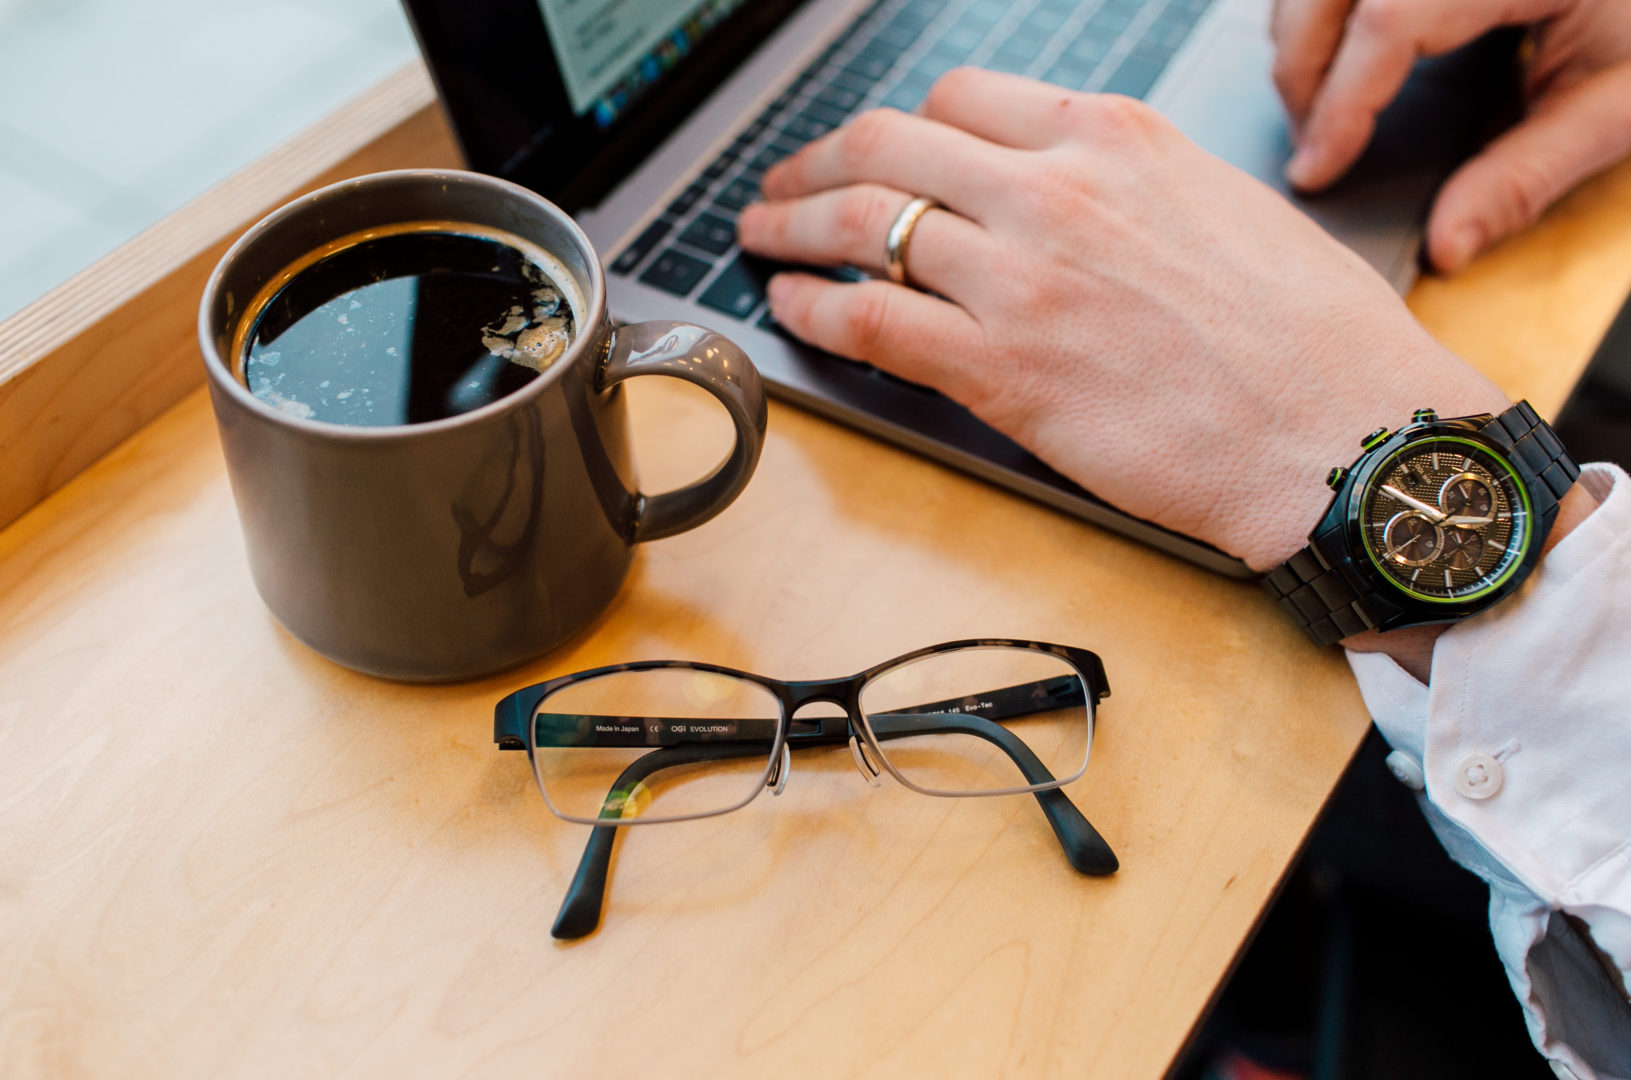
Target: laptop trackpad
x,y
1224,99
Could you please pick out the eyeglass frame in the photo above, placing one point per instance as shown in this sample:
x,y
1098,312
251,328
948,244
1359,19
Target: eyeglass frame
x,y
514,728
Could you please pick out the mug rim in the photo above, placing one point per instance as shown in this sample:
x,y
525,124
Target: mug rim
x,y
594,316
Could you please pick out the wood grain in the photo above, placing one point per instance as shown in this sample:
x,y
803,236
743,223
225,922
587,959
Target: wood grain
x,y
221,855
203,817
105,352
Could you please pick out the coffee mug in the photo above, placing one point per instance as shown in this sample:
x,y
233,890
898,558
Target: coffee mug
x,y
469,544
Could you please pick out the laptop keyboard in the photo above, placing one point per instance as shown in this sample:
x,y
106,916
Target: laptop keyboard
x,y
891,55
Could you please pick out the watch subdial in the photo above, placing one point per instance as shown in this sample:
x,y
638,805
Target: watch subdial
x,y
1462,549
1466,495
1413,540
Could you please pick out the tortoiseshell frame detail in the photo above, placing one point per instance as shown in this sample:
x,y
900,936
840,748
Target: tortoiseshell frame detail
x,y
1084,848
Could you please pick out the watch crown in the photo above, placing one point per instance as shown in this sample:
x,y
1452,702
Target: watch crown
x,y
1373,438
1423,416
1334,478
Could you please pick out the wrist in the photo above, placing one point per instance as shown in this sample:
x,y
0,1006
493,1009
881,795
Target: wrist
x,y
1412,647
1285,494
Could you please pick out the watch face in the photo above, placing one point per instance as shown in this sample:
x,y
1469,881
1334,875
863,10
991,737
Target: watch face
x,y
1446,520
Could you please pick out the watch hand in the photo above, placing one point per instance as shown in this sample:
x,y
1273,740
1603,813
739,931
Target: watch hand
x,y
1432,513
1466,521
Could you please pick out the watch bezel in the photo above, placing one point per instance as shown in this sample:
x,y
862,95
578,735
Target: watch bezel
x,y
1418,608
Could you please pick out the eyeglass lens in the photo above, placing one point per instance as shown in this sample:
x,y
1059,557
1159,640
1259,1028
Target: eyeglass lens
x,y
653,745
946,721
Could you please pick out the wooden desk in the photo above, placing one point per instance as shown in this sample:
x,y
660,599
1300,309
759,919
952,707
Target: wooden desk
x,y
223,855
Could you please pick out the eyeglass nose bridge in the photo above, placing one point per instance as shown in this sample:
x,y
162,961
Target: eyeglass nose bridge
x,y
828,729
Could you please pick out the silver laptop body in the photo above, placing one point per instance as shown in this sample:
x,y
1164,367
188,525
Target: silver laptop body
x,y
1215,86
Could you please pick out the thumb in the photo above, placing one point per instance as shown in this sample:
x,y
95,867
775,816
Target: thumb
x,y
1567,137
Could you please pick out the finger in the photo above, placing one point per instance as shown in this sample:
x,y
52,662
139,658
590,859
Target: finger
x,y
1379,46
915,335
1009,110
1306,34
908,153
947,252
1370,66
1510,184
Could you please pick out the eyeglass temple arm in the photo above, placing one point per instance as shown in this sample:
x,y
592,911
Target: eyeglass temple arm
x,y
580,910
1086,850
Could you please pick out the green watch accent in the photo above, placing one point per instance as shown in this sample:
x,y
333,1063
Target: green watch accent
x,y
1433,523
1510,565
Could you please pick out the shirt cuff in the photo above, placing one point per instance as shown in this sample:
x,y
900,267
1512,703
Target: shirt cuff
x,y
1523,743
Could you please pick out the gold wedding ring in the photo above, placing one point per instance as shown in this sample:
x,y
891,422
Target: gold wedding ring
x,y
900,236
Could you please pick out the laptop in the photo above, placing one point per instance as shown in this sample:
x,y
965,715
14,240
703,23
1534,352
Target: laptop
x,y
652,121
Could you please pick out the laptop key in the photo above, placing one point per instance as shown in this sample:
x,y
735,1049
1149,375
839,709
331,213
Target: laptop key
x,y
1047,19
803,128
1031,34
1009,60
817,113
960,38
1135,76
676,272
898,36
868,68
715,235
1090,48
1070,72
848,80
739,289
839,99
880,50
632,255
904,97
737,194
934,65
687,199
1109,21
768,156
982,15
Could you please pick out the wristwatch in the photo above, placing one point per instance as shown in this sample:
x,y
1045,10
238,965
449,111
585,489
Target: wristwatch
x,y
1435,522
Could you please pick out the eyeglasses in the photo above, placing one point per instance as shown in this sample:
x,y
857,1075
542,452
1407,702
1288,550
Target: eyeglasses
x,y
671,740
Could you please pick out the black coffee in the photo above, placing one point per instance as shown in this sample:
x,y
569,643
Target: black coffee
x,y
405,328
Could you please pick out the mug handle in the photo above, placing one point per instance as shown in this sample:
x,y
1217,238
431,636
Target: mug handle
x,y
719,366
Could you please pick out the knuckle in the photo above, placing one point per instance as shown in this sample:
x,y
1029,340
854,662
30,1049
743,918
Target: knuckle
x,y
1526,189
1382,18
865,136
861,218
866,320
1124,117
952,87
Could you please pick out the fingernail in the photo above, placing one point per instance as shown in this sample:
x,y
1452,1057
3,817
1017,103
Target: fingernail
x,y
746,223
1461,247
778,289
1300,169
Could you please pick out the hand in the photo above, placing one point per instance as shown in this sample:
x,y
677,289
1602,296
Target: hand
x,y
1340,62
1150,321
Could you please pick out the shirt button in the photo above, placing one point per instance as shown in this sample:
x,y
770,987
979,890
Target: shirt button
x,y
1406,770
1478,776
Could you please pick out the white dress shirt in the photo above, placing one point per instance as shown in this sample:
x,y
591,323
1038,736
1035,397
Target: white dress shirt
x,y
1520,747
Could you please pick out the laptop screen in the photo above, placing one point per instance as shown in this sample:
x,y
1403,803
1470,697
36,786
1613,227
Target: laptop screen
x,y
611,52
559,95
